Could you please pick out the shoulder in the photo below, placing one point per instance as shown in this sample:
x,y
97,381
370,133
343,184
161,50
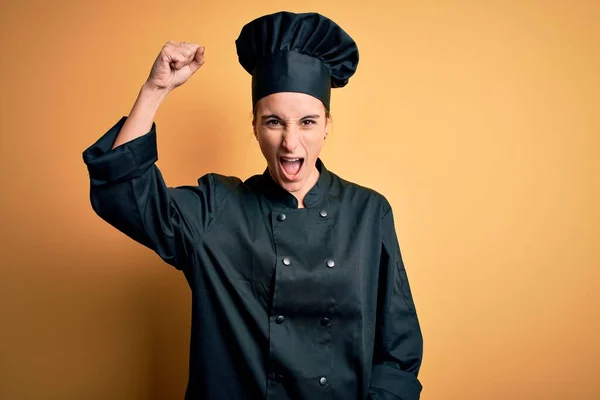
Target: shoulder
x,y
222,182
220,185
210,186
363,196
254,180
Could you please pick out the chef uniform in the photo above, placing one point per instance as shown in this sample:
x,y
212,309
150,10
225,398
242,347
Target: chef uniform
x,y
287,303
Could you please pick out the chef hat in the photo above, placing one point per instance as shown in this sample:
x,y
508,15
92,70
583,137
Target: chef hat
x,y
287,52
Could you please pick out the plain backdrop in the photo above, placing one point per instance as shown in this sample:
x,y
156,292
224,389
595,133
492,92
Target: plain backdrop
x,y
478,120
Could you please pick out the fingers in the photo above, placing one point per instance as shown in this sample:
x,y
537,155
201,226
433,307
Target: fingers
x,y
180,54
180,59
189,49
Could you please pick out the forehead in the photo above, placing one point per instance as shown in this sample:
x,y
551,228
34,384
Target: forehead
x,y
289,105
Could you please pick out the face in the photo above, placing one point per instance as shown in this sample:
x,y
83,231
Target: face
x,y
291,130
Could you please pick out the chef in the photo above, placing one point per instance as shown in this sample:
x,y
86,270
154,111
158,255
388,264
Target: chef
x,y
299,290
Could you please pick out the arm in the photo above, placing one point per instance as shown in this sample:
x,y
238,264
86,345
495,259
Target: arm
x,y
127,191
142,114
398,341
126,187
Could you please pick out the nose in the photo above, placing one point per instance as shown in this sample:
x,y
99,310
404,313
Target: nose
x,y
290,140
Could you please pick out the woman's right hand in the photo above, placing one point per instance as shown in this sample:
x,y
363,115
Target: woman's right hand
x,y
175,64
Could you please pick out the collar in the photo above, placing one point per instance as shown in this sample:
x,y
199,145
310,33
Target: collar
x,y
279,195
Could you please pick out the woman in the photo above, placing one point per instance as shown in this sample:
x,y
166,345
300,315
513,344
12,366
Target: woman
x,y
298,286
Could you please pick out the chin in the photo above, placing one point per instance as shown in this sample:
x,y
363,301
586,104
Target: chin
x,y
291,186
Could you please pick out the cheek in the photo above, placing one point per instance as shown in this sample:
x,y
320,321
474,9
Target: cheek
x,y
316,142
268,143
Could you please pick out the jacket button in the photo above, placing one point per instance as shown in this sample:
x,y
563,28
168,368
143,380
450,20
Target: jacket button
x,y
325,321
281,217
279,319
323,213
286,261
323,381
330,263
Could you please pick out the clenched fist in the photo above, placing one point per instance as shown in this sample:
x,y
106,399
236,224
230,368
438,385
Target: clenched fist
x,y
174,65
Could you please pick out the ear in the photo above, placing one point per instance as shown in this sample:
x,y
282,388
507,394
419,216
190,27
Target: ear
x,y
254,129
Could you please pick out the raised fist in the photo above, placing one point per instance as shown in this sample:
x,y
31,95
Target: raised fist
x,y
174,65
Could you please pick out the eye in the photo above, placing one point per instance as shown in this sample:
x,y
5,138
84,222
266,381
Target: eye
x,y
308,122
273,122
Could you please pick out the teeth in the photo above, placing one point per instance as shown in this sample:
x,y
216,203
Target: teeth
x,y
290,159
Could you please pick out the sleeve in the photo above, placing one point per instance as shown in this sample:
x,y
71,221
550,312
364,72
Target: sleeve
x,y
398,341
127,191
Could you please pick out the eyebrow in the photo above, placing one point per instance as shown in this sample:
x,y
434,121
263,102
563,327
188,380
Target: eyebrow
x,y
278,117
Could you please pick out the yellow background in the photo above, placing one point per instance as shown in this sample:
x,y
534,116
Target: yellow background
x,y
478,120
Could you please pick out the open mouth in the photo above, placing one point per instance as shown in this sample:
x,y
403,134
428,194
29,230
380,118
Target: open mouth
x,y
291,166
